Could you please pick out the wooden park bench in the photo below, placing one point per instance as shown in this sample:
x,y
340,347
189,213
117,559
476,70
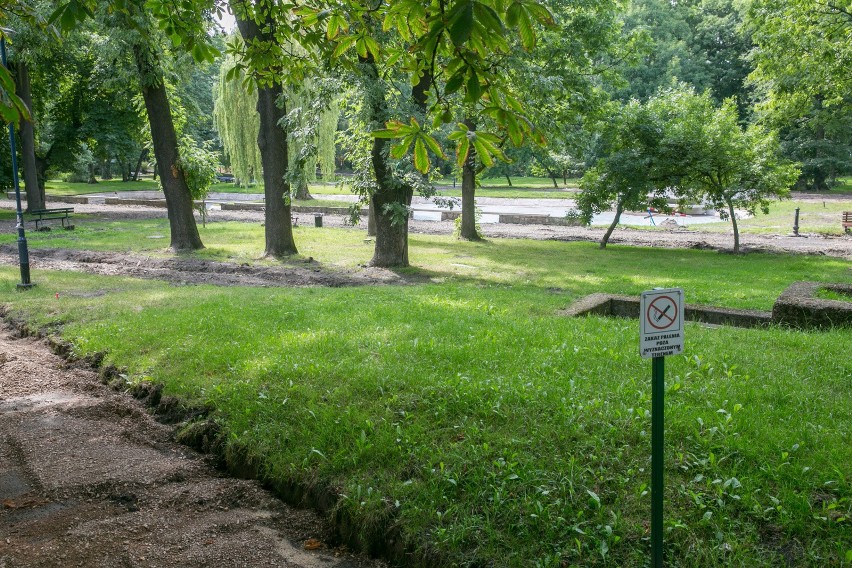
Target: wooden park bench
x,y
847,220
41,215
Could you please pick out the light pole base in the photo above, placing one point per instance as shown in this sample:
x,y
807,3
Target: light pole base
x,y
22,286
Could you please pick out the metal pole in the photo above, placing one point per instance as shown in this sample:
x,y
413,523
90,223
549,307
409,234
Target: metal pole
x,y
23,252
657,424
796,223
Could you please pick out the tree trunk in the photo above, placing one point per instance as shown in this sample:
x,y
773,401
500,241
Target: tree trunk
x,y
736,229
468,190
820,182
92,178
392,201
42,164
619,209
508,180
142,155
371,220
553,177
184,231
272,141
391,198
35,191
106,170
302,192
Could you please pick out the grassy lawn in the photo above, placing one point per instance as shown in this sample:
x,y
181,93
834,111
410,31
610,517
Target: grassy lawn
x,y
822,217
56,187
522,182
752,281
468,414
845,186
814,217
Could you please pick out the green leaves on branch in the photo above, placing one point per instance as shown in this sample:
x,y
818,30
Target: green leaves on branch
x,y
411,134
457,39
71,13
461,23
485,144
522,14
184,22
12,108
181,24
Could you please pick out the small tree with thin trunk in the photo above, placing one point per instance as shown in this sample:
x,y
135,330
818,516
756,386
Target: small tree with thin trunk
x,y
682,143
630,175
731,167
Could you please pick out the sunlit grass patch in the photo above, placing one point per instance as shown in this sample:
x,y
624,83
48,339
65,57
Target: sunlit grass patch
x,y
472,416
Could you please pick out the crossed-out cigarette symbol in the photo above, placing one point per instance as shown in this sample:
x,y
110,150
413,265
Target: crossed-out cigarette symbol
x,y
662,312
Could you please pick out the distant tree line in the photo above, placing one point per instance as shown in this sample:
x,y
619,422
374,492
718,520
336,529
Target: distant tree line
x,y
401,92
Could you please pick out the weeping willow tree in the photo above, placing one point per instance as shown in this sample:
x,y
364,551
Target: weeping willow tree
x,y
326,141
238,122
311,127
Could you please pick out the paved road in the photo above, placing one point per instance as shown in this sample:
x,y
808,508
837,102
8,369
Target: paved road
x,y
428,210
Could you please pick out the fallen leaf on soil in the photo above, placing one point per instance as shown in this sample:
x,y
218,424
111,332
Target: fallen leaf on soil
x,y
25,502
312,544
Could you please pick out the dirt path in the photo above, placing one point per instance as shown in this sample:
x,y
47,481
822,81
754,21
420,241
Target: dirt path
x,y
88,478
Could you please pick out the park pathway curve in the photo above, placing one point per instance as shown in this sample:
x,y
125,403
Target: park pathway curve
x,y
88,478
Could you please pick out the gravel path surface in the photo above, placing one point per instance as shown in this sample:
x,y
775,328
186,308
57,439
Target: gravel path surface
x,y
88,478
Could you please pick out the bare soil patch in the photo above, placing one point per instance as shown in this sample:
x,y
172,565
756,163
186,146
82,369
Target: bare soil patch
x,y
88,478
189,270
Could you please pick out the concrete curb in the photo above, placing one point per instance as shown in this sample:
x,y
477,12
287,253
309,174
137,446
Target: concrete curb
x,y
614,305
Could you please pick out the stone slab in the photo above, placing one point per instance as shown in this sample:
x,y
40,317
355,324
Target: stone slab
x,y
799,306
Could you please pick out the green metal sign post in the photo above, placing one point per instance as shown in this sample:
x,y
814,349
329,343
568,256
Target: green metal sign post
x,y
657,445
661,334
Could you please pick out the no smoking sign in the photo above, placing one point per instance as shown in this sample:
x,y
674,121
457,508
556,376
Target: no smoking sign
x,y
661,327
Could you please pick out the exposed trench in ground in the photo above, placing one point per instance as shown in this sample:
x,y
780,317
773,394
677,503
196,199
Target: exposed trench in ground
x,y
89,478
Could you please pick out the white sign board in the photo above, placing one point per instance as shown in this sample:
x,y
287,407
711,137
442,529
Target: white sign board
x,y
661,322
